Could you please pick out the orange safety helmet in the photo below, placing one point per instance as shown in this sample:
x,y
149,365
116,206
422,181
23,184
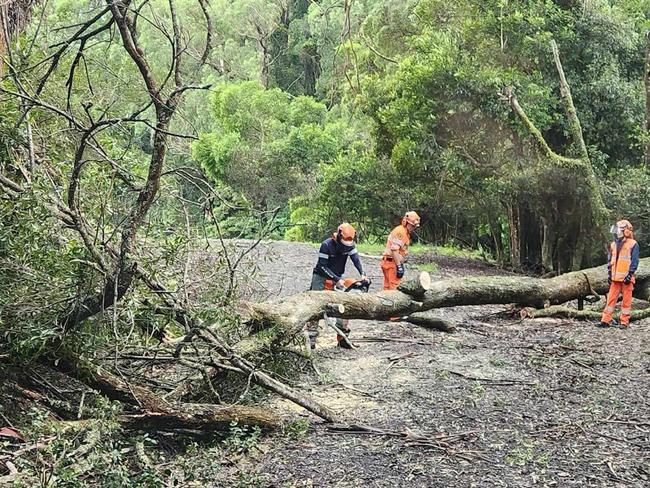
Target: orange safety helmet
x,y
345,234
626,226
411,218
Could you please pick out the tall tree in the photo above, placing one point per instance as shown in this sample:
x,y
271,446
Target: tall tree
x,y
646,79
14,16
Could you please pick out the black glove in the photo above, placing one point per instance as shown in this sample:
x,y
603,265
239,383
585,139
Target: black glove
x,y
400,270
627,279
609,278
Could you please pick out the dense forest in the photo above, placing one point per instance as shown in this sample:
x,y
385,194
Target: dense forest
x,y
312,112
135,132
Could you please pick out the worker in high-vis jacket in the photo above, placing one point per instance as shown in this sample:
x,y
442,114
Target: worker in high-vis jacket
x,y
328,272
622,263
392,260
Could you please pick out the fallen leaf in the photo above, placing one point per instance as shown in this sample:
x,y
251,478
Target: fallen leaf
x,y
10,432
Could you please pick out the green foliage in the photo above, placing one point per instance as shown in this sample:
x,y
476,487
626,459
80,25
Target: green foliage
x,y
625,194
428,267
527,453
265,144
297,429
36,274
242,438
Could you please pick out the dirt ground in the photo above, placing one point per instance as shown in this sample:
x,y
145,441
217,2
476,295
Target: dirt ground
x,y
501,402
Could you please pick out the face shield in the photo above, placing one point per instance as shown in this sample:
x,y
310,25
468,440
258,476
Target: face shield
x,y
617,230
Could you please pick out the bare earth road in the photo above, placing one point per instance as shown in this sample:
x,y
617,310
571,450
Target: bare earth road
x,y
501,402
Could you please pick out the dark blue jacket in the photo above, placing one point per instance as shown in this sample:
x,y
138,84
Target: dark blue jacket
x,y
332,258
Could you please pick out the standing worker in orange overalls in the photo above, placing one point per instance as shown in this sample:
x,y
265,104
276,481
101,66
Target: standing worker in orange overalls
x,y
392,261
623,260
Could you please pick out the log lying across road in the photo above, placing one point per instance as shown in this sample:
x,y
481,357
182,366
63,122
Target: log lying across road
x,y
281,320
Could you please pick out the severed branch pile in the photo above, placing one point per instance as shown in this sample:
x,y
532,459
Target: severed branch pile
x,y
115,257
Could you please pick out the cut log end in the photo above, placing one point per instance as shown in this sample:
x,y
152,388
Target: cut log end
x,y
425,280
335,308
418,286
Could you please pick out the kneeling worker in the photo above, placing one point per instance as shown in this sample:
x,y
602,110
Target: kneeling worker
x,y
328,273
392,261
622,263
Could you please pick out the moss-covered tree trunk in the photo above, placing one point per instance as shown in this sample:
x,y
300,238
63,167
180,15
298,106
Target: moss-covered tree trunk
x,y
647,101
548,240
586,212
513,228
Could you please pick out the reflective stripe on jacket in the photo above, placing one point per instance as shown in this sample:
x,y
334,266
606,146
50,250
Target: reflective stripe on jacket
x,y
398,240
332,260
623,259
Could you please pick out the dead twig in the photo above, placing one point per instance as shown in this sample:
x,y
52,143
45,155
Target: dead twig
x,y
493,381
439,441
396,339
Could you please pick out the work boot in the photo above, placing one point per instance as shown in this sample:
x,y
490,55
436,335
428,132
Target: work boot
x,y
312,333
622,326
604,325
340,340
312,339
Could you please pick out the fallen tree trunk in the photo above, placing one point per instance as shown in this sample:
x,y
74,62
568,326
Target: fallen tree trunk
x,y
281,320
429,321
277,322
572,313
156,412
201,417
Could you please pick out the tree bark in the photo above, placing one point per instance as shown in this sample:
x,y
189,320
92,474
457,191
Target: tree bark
x,y
515,244
548,239
429,321
495,230
201,417
572,313
647,101
574,122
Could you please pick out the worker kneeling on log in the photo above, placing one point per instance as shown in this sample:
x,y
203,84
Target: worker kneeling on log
x,y
392,261
622,263
328,274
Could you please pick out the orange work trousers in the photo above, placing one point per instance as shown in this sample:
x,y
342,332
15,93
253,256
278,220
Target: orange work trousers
x,y
615,289
389,268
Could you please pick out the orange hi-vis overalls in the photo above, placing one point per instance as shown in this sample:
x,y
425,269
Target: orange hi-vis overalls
x,y
619,266
398,240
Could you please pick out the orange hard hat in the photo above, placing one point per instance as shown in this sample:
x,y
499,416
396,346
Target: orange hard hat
x,y
412,218
345,232
624,224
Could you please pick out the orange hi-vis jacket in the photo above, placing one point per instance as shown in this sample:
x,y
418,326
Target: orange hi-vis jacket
x,y
620,260
398,240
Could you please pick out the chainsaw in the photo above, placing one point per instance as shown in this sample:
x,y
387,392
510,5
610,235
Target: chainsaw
x,y
350,285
